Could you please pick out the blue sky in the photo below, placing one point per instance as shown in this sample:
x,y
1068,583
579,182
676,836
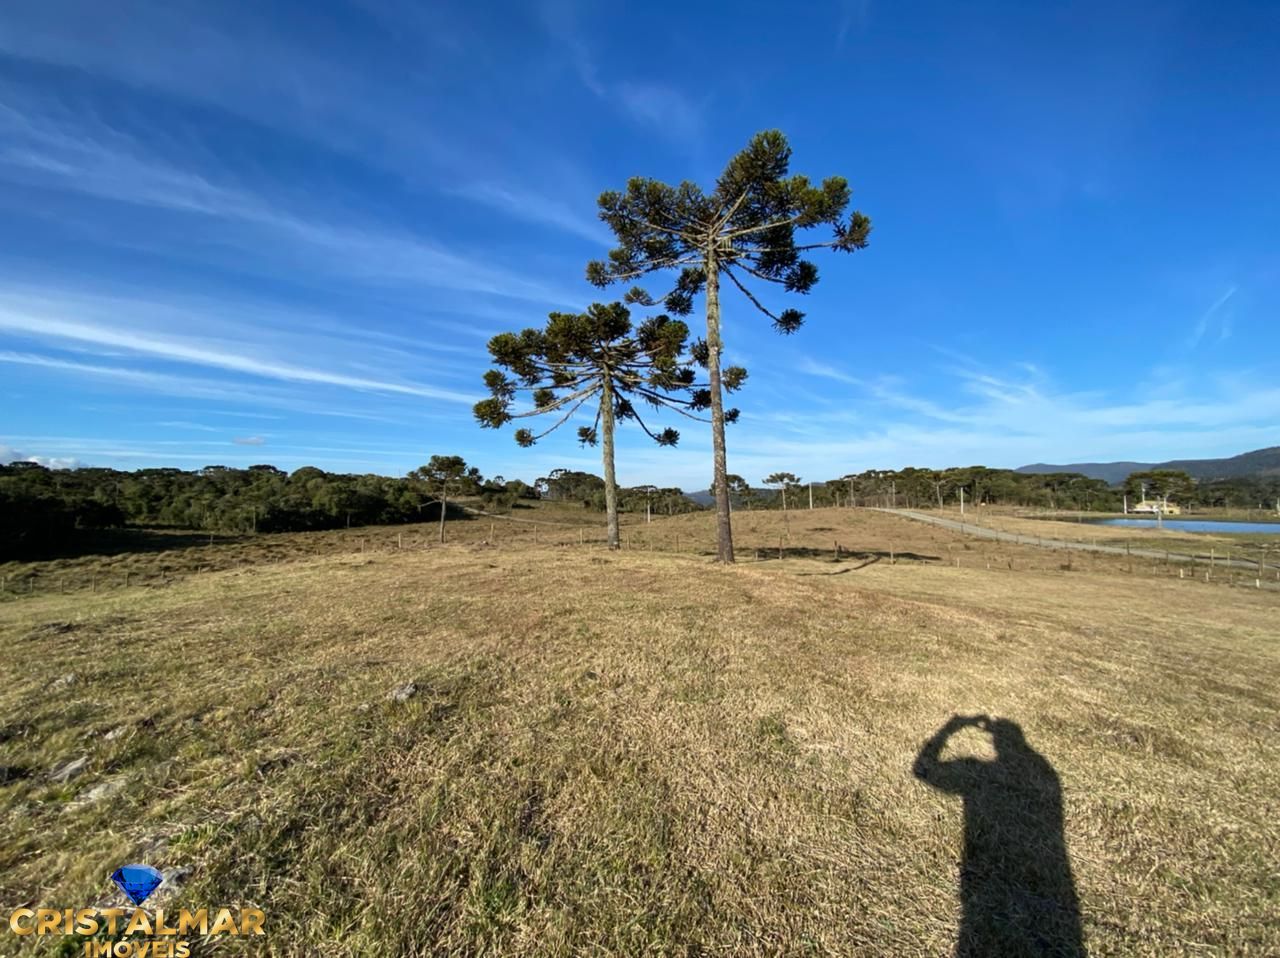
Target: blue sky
x,y
243,232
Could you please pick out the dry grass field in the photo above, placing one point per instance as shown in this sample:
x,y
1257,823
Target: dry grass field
x,y
645,753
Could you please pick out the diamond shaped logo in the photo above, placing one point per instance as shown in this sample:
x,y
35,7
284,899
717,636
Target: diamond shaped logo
x,y
137,881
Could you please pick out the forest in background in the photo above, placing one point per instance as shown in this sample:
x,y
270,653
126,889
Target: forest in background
x,y
43,509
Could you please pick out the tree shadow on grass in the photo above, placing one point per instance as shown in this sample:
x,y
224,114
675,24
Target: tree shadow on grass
x,y
1017,893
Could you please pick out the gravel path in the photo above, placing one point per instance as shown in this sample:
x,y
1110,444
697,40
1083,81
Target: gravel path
x,y
982,532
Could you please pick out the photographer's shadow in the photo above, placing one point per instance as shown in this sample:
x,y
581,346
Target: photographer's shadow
x,y
1017,893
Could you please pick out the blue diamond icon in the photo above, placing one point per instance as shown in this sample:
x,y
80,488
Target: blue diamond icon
x,y
137,881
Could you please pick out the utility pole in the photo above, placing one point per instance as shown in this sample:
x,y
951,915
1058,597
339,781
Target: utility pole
x,y
811,495
893,492
1126,503
962,500
851,497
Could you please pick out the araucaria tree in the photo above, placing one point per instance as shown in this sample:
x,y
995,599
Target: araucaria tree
x,y
597,357
446,476
744,230
782,481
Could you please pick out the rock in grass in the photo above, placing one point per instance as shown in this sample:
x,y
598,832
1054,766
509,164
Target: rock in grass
x,y
175,878
402,693
64,682
104,789
69,769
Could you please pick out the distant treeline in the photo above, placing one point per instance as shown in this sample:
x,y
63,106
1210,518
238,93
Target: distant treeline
x,y
48,508
922,488
41,507
914,488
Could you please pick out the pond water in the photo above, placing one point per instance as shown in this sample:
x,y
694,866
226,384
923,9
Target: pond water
x,y
1194,525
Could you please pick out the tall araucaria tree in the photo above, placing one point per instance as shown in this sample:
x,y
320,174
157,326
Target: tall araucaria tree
x,y
744,230
598,357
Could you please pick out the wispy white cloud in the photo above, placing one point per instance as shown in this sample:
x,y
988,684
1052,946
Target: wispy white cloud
x,y
661,107
854,17
1209,315
811,367
99,161
8,454
534,207
182,424
47,326
249,441
304,84
189,387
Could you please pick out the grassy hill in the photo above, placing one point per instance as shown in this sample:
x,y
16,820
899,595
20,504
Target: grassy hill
x,y
645,753
1260,462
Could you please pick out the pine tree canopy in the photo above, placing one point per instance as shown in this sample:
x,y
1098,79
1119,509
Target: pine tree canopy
x,y
748,223
568,363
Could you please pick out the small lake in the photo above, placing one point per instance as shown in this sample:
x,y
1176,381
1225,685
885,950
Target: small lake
x,y
1193,525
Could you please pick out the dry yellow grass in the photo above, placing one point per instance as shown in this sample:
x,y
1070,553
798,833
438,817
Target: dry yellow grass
x,y
644,753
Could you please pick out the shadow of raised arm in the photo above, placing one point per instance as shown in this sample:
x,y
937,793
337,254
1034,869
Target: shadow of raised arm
x,y
953,776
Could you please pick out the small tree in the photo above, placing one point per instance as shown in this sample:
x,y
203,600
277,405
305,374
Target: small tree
x,y
446,476
743,229
598,357
783,481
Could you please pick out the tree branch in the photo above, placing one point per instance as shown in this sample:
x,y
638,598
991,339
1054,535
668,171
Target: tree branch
x,y
746,292
764,226
563,419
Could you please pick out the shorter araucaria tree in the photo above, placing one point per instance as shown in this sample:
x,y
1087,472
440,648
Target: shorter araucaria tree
x,y
597,359
446,476
782,481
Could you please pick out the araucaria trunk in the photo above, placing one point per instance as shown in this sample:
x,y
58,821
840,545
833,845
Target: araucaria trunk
x,y
724,527
610,479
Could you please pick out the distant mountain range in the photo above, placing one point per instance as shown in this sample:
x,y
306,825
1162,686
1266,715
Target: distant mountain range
x,y
1260,462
